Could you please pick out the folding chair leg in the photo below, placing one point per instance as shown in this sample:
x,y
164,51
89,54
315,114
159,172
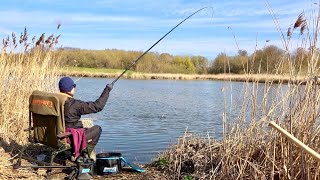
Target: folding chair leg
x,y
72,175
53,155
17,165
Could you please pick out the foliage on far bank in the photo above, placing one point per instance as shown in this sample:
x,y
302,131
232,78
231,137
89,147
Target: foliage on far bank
x,y
266,60
269,60
120,59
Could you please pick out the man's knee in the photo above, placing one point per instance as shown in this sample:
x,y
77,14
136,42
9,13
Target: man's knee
x,y
97,128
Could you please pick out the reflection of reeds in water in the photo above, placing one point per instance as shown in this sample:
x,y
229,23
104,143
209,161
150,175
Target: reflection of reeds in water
x,y
250,149
24,67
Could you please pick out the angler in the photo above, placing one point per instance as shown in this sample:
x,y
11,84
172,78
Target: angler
x,y
55,120
74,108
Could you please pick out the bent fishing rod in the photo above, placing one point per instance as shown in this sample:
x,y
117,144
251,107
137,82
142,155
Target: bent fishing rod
x,y
134,62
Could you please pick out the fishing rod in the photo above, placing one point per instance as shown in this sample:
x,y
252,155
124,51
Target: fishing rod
x,y
134,62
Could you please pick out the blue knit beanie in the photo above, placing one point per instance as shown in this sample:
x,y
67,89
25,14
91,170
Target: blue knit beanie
x,y
66,84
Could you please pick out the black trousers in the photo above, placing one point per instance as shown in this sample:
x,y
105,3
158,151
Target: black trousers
x,y
93,134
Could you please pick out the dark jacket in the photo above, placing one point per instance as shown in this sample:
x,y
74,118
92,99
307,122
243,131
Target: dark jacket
x,y
73,109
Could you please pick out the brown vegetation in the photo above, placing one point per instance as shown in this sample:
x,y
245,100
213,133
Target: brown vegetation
x,y
25,66
250,149
21,73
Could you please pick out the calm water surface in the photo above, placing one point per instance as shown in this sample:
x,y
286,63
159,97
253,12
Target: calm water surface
x,y
145,117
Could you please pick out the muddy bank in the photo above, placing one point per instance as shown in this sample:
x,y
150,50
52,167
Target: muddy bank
x,y
7,172
9,152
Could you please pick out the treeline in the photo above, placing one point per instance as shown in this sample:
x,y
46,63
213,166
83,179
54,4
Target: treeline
x,y
270,59
120,59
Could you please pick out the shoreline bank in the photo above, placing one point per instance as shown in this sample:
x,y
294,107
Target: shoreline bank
x,y
261,78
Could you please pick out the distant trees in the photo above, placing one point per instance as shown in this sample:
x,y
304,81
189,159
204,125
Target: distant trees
x,y
230,64
300,57
267,60
270,59
120,59
219,64
201,64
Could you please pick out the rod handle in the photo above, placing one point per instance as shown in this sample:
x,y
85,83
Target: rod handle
x,y
296,141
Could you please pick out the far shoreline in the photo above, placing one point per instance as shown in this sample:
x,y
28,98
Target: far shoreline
x,y
261,78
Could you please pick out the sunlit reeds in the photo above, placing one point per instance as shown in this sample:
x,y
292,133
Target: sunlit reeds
x,y
250,148
25,66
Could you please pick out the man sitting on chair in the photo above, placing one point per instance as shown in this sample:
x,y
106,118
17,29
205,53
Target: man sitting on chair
x,y
74,108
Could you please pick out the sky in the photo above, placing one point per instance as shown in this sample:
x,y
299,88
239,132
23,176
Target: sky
x,y
223,27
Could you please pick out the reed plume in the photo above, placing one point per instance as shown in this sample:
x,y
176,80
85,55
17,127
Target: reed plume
x,y
40,40
299,21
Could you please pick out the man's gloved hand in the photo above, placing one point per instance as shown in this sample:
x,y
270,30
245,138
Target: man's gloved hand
x,y
109,86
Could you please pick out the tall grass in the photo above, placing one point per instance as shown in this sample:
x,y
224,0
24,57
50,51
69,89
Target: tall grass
x,y
25,65
250,148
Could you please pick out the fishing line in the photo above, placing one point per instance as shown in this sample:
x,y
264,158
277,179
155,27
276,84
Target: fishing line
x,y
134,62
79,78
234,37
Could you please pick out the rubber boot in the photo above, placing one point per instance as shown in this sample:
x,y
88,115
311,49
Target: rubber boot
x,y
91,151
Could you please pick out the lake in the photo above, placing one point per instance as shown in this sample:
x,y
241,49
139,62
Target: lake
x,y
145,117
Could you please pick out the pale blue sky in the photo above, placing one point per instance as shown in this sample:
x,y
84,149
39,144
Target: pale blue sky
x,y
137,24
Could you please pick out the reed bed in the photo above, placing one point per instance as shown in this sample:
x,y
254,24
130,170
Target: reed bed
x,y
250,148
26,65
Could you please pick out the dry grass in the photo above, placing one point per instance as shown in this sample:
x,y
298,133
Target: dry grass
x,y
250,149
24,67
